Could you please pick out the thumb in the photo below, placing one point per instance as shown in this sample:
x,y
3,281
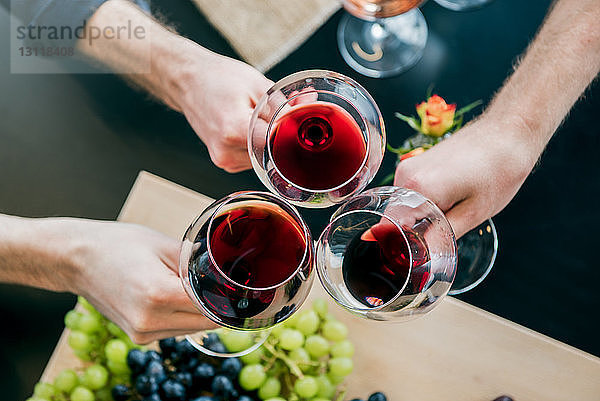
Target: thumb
x,y
463,217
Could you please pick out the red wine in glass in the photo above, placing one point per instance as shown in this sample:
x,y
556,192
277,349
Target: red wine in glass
x,y
317,146
255,248
377,264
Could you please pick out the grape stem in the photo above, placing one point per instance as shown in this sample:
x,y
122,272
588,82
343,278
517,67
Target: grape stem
x,y
290,364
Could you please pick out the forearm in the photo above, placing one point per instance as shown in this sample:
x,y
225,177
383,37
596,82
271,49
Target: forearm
x,y
557,67
155,59
37,252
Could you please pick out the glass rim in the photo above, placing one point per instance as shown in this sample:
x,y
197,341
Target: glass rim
x,y
397,295
278,200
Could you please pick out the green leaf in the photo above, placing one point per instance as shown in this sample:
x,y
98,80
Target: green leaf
x,y
467,108
388,179
429,91
399,151
412,121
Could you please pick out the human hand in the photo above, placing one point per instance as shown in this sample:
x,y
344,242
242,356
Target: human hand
x,y
217,97
473,174
129,273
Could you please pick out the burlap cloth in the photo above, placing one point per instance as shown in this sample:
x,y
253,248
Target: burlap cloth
x,y
263,32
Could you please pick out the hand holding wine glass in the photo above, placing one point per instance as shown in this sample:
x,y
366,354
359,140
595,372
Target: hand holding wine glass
x,y
217,96
128,272
471,175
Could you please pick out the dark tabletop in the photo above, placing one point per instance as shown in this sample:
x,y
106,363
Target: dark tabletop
x,y
72,145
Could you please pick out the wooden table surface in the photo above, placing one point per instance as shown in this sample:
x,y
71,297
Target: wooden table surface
x,y
457,352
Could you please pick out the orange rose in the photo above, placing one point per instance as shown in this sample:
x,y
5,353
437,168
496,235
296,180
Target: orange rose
x,y
436,116
412,153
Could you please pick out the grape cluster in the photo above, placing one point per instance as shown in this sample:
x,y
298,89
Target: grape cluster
x,y
179,372
305,358
103,345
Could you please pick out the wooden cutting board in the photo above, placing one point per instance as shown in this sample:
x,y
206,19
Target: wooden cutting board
x,y
456,353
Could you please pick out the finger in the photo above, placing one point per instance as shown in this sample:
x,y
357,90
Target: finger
x,y
173,297
232,160
414,174
463,217
239,161
170,254
183,322
159,335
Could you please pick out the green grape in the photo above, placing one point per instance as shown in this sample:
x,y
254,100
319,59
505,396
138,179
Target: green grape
x,y
236,340
104,394
44,390
306,387
130,343
121,378
81,393
118,368
89,324
116,350
36,398
277,329
276,399
321,399
79,341
291,321
86,305
320,306
72,319
252,377
83,355
66,380
115,330
290,339
301,357
335,380
253,357
342,348
334,330
340,366
316,346
269,389
308,322
326,388
95,377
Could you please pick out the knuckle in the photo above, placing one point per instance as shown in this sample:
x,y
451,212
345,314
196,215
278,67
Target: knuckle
x,y
140,338
140,325
231,138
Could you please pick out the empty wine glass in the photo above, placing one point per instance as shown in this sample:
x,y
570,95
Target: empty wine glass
x,y
477,251
246,262
387,254
379,38
316,138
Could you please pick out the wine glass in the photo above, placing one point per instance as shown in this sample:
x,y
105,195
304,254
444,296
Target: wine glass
x,y
246,263
477,251
387,254
316,138
462,5
380,38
